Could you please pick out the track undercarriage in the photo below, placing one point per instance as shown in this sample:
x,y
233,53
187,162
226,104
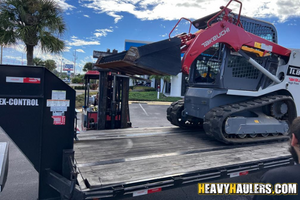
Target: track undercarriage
x,y
260,119
174,115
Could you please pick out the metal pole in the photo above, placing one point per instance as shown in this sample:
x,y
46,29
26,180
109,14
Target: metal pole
x,y
85,89
75,62
61,66
113,103
259,67
1,54
102,99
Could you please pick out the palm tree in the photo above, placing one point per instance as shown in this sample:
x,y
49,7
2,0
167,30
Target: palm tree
x,y
33,22
38,62
88,66
50,64
166,78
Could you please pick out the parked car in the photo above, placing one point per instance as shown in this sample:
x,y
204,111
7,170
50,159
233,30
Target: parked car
x,y
67,80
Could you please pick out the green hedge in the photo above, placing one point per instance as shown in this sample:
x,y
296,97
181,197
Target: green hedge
x,y
78,87
133,96
142,88
77,80
150,96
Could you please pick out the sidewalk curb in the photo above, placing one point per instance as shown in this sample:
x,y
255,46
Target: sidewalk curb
x,y
158,103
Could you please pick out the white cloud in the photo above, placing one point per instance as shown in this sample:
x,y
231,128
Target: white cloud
x,y
20,48
194,9
102,32
164,35
86,16
292,24
67,49
64,5
82,62
15,58
78,42
80,50
114,15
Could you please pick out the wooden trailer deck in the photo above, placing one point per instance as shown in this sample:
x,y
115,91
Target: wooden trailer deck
x,y
110,158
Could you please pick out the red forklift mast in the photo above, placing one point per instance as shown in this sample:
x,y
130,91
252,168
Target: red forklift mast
x,y
108,109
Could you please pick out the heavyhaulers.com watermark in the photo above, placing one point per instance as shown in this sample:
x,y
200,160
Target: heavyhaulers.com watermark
x,y
248,188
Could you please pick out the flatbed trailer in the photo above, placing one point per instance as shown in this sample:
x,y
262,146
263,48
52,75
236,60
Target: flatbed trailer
x,y
138,161
38,111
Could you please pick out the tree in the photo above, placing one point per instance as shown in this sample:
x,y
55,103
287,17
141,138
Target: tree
x,y
33,22
38,62
77,80
55,72
166,79
50,65
88,66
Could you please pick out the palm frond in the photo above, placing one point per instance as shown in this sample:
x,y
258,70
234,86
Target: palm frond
x,y
51,44
32,21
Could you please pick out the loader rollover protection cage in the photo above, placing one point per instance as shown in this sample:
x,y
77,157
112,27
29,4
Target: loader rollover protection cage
x,y
110,163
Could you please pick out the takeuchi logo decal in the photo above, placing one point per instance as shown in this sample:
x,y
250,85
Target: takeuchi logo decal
x,y
216,37
293,71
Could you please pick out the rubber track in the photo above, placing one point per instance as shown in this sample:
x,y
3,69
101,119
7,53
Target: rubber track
x,y
173,112
214,120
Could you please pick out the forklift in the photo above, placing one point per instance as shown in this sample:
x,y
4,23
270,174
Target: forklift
x,y
109,108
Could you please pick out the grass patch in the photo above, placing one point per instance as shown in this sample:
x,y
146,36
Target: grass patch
x,y
150,96
142,88
133,96
80,99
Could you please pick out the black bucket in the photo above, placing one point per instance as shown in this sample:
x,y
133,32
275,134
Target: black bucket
x,y
159,58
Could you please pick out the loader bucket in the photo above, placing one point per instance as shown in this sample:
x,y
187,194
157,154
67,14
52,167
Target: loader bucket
x,y
159,58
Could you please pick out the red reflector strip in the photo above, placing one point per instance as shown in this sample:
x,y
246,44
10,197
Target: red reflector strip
x,y
154,190
236,174
244,173
144,192
32,80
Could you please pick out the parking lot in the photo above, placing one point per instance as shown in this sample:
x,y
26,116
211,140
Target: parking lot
x,y
22,180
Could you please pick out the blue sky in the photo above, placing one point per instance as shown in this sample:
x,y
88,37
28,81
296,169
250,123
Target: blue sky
x,y
105,24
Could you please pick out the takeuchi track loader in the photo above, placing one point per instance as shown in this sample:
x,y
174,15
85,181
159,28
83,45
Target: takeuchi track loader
x,y
243,86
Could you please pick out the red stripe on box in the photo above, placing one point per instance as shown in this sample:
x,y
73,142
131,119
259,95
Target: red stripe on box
x,y
32,80
154,190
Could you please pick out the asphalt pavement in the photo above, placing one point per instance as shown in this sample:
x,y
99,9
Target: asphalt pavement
x,y
22,182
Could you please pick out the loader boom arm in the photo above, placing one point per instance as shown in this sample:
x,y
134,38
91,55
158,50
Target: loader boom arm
x,y
224,31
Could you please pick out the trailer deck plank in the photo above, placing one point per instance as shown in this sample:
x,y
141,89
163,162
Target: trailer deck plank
x,y
130,155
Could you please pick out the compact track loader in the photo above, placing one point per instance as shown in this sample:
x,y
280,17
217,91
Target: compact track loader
x,y
243,86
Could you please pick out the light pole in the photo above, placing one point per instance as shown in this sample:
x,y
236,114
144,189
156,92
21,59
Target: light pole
x,y
75,61
61,66
1,54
